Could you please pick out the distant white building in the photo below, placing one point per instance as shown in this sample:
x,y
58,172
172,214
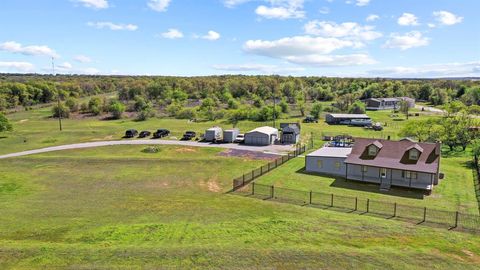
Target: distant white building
x,y
261,136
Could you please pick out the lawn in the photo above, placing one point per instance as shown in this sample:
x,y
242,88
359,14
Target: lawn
x,y
455,193
117,207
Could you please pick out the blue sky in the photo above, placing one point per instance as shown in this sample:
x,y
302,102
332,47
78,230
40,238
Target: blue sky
x,y
366,38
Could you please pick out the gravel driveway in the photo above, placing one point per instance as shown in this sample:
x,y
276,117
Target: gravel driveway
x,y
272,149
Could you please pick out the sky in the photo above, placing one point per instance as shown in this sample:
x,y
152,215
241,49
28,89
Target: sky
x,y
344,38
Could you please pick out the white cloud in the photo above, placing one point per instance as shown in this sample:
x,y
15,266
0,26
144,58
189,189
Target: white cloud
x,y
89,71
372,17
468,69
95,4
276,9
65,65
362,3
15,47
293,46
113,26
172,34
307,50
211,35
324,10
82,59
16,66
431,25
409,40
347,30
408,19
447,18
331,60
159,5
259,68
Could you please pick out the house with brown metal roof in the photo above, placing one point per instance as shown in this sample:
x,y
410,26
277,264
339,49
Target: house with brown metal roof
x,y
403,163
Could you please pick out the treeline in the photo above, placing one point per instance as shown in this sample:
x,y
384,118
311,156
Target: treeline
x,y
236,97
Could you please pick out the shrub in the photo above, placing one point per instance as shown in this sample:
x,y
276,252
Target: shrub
x,y
4,123
72,104
117,109
61,111
151,149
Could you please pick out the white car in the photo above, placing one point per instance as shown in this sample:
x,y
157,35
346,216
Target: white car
x,y
240,138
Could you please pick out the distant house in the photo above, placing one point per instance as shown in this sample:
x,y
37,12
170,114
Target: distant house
x,y
290,133
375,104
348,119
261,136
403,163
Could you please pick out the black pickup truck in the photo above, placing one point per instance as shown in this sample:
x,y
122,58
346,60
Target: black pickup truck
x,y
189,135
160,133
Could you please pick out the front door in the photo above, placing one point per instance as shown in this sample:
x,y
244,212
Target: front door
x,y
383,173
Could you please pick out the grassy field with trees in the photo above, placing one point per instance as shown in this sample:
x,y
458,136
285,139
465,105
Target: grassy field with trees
x,y
126,206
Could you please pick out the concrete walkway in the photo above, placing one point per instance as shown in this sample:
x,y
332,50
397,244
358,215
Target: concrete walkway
x,y
271,149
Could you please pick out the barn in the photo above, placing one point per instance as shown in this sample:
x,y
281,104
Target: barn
x,y
290,133
261,136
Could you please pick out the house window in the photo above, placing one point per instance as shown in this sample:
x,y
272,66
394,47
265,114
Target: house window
x,y
409,175
372,150
364,169
319,164
413,154
337,165
383,173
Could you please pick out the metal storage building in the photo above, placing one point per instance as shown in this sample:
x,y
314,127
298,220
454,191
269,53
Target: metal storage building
x,y
344,119
229,135
214,133
261,136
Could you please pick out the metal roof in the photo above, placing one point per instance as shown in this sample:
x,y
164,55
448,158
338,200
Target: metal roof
x,y
347,115
340,152
266,130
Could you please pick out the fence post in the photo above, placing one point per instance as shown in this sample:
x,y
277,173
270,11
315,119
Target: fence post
x,y
424,214
331,200
394,209
456,219
261,170
368,205
253,174
276,161
310,197
253,188
356,203
272,192
243,178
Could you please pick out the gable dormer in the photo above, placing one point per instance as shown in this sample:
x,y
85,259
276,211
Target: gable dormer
x,y
374,148
414,152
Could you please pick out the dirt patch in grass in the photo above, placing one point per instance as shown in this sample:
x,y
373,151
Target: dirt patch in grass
x,y
186,150
213,186
247,154
23,121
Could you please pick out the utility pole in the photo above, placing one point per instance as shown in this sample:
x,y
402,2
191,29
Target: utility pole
x,y
58,97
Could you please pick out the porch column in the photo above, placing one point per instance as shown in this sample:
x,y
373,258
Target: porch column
x,y
346,171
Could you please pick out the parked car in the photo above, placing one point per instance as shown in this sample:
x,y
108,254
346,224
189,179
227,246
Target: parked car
x,y
160,133
144,134
310,119
240,138
131,133
189,135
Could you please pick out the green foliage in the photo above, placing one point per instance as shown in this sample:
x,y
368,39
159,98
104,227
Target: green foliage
x,y
116,108
4,123
72,104
60,110
95,106
144,114
357,107
316,110
187,113
284,106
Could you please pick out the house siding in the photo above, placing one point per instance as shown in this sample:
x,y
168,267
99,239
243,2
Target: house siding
x,y
328,165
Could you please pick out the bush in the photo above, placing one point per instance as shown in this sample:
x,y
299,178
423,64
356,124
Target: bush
x,y
316,110
145,114
283,106
72,104
95,105
117,109
357,107
4,123
60,111
151,149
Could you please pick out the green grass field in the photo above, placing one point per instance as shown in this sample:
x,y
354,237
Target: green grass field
x,y
117,207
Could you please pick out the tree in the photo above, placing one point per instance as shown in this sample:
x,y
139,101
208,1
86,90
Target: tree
x,y
357,107
283,106
404,107
72,104
60,110
316,110
4,123
95,105
117,109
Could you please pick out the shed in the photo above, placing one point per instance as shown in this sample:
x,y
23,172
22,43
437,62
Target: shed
x,y
229,135
261,136
214,133
290,133
328,160
345,119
